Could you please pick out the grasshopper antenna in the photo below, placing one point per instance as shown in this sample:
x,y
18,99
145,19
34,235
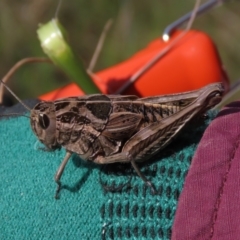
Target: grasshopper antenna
x,y
29,109
12,71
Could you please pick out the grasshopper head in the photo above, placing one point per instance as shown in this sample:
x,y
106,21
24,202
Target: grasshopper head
x,y
43,123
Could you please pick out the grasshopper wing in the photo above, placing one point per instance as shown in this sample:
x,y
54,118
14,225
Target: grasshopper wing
x,y
122,125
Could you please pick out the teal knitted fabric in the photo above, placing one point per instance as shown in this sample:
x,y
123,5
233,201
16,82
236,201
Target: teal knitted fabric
x,y
87,209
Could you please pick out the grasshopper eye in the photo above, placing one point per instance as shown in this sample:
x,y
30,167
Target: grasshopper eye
x,y
43,121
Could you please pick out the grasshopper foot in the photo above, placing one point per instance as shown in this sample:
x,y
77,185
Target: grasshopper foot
x,y
152,187
59,186
147,182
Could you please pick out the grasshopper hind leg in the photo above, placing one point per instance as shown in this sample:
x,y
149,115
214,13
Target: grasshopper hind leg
x,y
123,157
140,174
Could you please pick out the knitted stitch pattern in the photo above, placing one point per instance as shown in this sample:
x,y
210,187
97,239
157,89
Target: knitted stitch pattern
x,y
96,202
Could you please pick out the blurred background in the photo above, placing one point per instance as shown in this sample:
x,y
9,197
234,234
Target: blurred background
x,y
135,24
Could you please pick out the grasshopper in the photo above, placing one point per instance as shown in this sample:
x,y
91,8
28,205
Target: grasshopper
x,y
106,129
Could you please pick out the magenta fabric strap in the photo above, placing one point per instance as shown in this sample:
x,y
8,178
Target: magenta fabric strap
x,y
209,206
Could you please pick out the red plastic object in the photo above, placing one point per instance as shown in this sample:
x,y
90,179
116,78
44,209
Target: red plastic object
x,y
191,64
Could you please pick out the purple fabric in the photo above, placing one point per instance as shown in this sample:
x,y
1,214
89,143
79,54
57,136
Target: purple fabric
x,y
209,206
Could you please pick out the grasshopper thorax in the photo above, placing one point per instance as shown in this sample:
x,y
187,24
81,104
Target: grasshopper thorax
x,y
43,123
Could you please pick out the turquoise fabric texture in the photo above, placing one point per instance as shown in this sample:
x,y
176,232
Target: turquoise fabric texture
x,y
92,203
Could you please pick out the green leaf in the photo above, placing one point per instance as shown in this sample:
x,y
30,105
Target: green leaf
x,y
54,44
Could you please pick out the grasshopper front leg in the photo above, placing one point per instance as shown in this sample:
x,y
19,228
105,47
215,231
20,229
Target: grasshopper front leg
x,y
60,172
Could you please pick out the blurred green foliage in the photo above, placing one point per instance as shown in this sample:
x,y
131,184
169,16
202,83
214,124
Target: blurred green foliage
x,y
136,23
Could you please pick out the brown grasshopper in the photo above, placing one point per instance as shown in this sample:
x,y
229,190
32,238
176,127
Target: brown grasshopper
x,y
113,128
